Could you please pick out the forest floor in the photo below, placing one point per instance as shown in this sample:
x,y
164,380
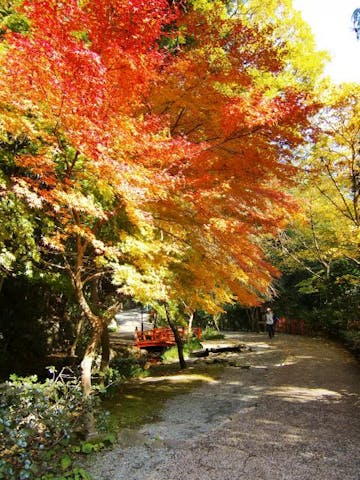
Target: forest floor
x,y
286,409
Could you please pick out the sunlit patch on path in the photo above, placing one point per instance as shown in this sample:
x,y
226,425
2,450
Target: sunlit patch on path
x,y
298,394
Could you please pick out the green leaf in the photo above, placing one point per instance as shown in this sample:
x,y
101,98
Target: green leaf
x,y
65,462
87,447
98,446
81,473
110,438
307,286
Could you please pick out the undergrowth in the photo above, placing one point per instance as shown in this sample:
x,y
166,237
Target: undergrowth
x,y
189,346
212,334
41,426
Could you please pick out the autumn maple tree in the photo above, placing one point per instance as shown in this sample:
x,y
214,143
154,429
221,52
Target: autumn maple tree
x,y
73,85
160,141
245,102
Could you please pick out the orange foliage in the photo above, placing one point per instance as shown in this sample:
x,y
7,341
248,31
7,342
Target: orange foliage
x,y
232,191
77,82
191,139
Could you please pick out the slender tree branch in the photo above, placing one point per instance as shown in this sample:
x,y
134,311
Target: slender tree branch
x,y
316,243
346,215
294,257
180,115
332,178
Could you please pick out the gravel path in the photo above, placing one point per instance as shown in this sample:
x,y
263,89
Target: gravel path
x,y
288,410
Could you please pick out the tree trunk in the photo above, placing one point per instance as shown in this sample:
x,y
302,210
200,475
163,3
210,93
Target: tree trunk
x,y
89,355
105,348
105,339
216,319
95,321
178,340
190,324
96,324
254,319
86,369
79,327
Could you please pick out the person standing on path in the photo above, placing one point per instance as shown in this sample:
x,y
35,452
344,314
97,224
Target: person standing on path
x,y
269,320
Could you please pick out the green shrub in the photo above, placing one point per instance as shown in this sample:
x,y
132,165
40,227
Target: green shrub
x,y
192,344
127,367
38,421
351,338
121,368
212,334
172,353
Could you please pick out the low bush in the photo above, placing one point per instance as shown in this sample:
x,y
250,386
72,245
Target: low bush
x,y
212,334
189,346
39,423
351,339
127,367
120,369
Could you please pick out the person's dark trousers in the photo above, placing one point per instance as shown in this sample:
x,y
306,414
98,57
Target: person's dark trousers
x,y
270,330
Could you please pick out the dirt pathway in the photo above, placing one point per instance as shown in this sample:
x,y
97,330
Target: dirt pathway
x,y
289,410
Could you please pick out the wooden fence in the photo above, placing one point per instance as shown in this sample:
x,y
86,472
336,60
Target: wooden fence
x,y
292,325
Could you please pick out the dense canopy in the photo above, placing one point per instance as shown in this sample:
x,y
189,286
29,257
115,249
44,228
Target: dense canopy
x,y
148,148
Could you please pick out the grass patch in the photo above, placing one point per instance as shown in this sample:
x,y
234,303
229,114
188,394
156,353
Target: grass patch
x,y
212,334
191,345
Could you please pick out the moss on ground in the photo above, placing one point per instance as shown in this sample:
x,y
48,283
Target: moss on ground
x,y
140,401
